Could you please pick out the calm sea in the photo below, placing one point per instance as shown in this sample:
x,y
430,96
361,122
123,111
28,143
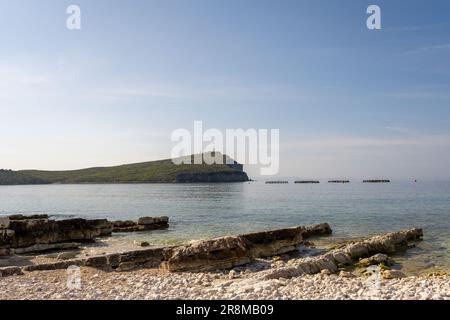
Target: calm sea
x,y
199,211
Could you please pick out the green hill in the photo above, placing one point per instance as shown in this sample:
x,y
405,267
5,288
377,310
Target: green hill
x,y
163,171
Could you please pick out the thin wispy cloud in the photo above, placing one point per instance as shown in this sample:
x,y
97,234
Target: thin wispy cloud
x,y
397,129
11,75
359,142
416,28
428,49
253,92
426,95
19,84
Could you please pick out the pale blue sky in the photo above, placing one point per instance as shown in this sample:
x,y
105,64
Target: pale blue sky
x,y
349,102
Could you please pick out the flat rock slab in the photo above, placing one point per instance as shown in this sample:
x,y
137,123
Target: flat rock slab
x,y
26,234
31,232
4,222
232,251
143,224
228,252
219,253
348,254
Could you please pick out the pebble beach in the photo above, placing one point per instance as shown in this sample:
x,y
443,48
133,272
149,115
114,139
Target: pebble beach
x,y
241,283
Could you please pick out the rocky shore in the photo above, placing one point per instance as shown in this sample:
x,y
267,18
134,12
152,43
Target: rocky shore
x,y
21,234
213,254
274,264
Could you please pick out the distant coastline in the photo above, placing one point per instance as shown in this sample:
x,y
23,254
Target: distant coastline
x,y
161,171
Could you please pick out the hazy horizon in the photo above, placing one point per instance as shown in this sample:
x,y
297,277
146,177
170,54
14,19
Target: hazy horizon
x,y
349,102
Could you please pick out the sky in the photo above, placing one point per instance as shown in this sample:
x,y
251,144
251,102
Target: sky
x,y
348,101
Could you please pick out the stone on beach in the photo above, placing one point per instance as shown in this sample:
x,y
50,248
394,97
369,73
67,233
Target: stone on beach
x,y
47,247
21,234
392,274
4,222
10,271
66,255
141,243
231,251
153,221
36,232
271,243
143,224
320,229
375,260
123,224
387,243
346,274
220,253
28,217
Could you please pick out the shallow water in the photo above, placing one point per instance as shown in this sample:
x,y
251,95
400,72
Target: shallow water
x,y
207,210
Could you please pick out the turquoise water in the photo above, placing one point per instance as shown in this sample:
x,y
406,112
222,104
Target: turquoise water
x,y
206,210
